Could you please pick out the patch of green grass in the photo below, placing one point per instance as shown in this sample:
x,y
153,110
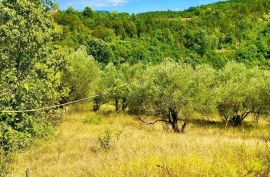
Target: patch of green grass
x,y
93,119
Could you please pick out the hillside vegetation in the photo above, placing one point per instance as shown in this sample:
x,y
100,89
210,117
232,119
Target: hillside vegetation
x,y
198,80
237,30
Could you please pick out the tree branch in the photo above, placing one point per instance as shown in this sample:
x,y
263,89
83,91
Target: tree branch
x,y
150,123
244,115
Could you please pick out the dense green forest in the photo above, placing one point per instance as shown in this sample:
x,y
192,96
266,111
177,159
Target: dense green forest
x,y
212,59
237,30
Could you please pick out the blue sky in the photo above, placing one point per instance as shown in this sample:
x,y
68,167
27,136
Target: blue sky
x,y
133,6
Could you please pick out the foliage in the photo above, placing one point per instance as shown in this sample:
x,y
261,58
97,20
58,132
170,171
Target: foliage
x,y
116,84
31,70
88,12
99,50
168,65
212,34
83,74
168,88
174,91
242,91
205,94
105,141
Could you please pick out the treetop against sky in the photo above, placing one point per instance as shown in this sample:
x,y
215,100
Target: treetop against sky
x,y
133,6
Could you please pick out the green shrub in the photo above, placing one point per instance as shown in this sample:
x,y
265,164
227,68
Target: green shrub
x,y
109,138
105,140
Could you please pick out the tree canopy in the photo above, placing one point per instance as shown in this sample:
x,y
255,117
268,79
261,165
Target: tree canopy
x,y
213,34
31,69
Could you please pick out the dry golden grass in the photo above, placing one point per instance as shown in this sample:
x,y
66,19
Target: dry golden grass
x,y
146,151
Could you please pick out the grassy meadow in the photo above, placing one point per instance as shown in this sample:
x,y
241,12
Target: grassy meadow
x,y
106,144
167,66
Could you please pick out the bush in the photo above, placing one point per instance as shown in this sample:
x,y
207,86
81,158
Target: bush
x,y
105,140
108,139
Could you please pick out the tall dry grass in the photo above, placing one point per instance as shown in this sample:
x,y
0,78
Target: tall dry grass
x,y
136,150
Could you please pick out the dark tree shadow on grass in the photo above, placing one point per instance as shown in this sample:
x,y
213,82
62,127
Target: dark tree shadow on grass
x,y
204,123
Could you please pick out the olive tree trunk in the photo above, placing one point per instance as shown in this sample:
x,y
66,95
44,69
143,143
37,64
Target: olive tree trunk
x,y
173,120
124,104
116,99
96,105
237,120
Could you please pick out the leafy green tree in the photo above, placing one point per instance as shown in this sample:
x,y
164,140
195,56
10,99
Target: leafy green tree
x,y
130,28
168,89
204,95
165,36
131,52
114,83
31,70
100,50
135,98
83,76
88,12
246,53
71,10
197,41
101,32
242,91
130,76
118,27
117,83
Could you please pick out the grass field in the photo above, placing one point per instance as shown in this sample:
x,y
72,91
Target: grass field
x,y
116,145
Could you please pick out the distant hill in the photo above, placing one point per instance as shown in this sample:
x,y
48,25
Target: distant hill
x,y
233,30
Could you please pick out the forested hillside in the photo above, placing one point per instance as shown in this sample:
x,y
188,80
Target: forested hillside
x,y
205,69
236,30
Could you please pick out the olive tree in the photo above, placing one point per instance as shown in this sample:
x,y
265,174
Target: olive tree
x,y
115,82
205,85
242,91
131,74
83,75
173,91
167,91
262,104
